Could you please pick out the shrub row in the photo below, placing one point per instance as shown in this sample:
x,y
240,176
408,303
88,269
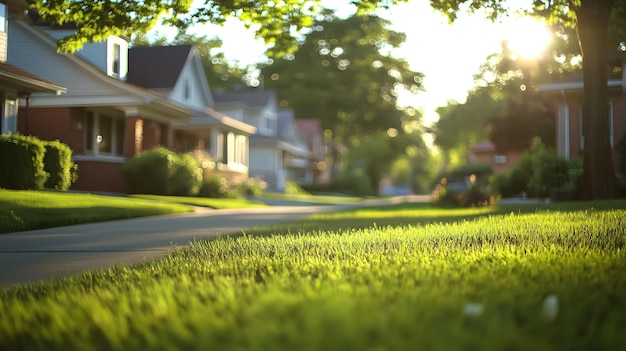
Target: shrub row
x,y
160,171
540,172
27,162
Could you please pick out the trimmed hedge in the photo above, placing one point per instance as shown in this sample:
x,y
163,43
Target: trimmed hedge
x,y
160,171
22,162
58,163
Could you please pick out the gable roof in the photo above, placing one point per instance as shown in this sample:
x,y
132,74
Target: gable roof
x,y
253,98
140,95
157,67
26,82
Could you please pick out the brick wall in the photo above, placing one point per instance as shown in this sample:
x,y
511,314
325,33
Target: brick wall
x,y
100,176
63,124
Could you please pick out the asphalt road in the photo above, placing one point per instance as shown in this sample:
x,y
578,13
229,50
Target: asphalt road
x,y
42,254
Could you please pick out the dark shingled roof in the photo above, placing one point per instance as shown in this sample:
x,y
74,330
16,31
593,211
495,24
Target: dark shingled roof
x,y
254,98
157,67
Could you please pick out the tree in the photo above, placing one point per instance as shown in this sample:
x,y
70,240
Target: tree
x,y
463,125
343,75
591,19
96,20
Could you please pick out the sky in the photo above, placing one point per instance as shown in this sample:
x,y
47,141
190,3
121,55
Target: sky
x,y
448,55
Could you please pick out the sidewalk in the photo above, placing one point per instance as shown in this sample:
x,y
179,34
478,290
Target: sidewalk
x,y
42,254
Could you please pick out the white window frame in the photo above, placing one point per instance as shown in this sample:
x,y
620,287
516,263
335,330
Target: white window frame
x,y
117,58
92,147
9,114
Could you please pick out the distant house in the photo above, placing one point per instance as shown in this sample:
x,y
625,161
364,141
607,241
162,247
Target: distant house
x,y
485,153
567,96
274,155
16,84
177,74
296,159
317,172
104,118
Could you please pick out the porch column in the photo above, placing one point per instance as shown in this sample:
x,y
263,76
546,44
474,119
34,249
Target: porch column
x,y
167,137
562,128
134,136
215,149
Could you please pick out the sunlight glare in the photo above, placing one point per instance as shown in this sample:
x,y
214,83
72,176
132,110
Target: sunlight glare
x,y
528,37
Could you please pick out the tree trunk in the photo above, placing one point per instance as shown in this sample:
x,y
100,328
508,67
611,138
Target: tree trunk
x,y
598,173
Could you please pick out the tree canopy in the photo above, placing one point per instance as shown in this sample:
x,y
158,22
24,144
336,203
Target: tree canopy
x,y
277,24
343,75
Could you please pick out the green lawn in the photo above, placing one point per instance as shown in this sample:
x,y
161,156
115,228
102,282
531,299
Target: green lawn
x,y
314,199
508,278
202,201
27,210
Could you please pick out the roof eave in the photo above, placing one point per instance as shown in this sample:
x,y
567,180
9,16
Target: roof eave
x,y
30,85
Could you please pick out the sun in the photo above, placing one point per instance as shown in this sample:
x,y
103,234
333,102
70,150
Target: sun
x,y
527,37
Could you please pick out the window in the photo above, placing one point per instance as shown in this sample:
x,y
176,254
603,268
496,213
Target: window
x,y
9,115
3,17
104,135
240,150
582,126
187,92
500,159
116,62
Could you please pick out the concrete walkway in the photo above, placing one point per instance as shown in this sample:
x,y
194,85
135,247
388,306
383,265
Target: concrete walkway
x,y
42,254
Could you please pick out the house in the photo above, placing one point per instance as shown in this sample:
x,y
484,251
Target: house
x,y
177,74
274,155
296,159
485,153
567,96
317,171
104,118
16,84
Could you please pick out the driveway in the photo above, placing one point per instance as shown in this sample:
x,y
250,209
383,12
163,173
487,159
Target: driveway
x,y
41,254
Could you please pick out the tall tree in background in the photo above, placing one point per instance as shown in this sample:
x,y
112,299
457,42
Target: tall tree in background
x,y
591,19
277,24
343,75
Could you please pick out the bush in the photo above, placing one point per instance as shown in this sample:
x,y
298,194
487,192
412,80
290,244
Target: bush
x,y
149,172
22,162
540,172
58,163
252,187
571,188
444,196
292,188
215,185
185,177
160,171
549,171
